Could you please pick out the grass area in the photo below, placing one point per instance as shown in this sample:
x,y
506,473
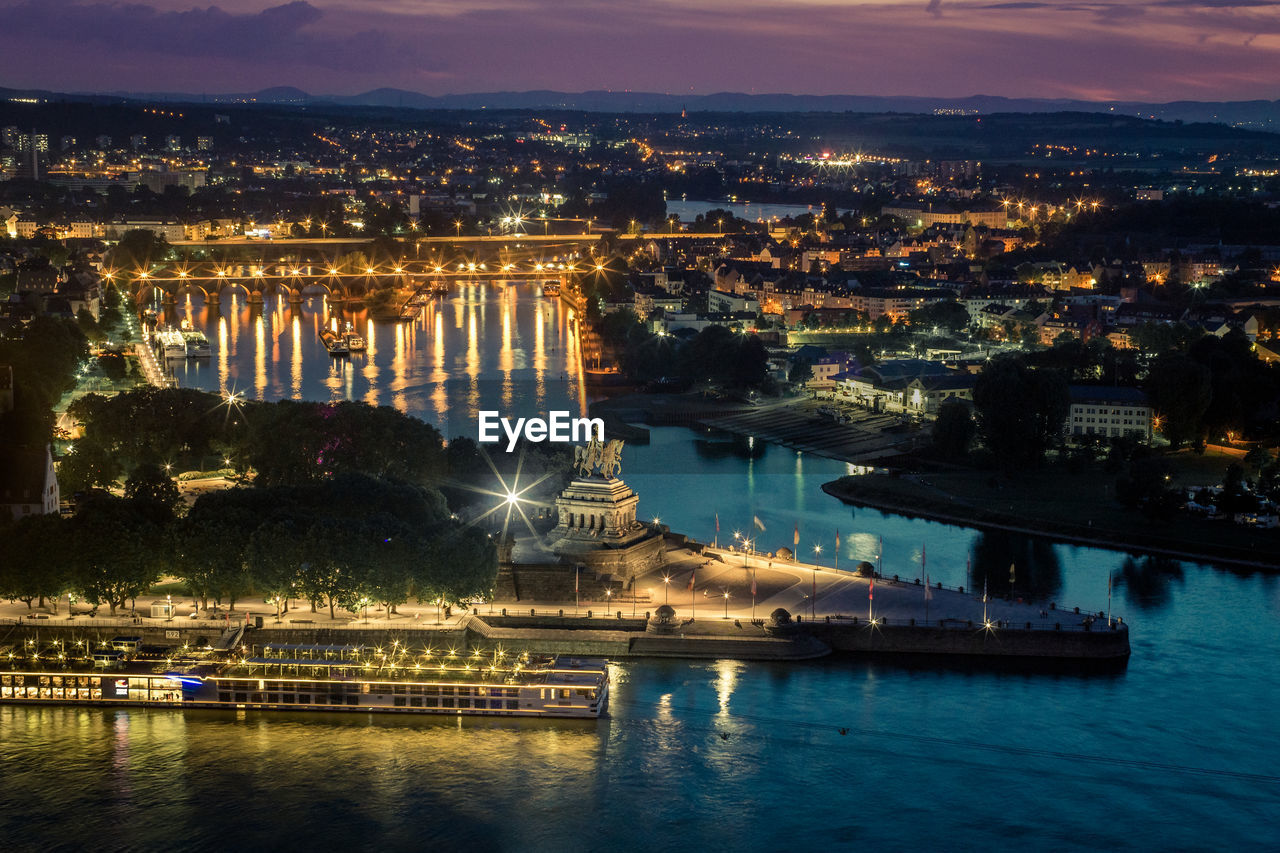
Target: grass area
x,y
176,588
1080,506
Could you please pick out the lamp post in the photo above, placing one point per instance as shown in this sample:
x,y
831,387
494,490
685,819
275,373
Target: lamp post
x,y
168,607
813,599
666,589
608,597
726,604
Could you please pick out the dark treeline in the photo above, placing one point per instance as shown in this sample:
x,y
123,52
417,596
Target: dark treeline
x,y
343,505
714,355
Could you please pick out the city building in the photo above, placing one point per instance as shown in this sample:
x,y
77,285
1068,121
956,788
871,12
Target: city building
x,y
1110,412
28,484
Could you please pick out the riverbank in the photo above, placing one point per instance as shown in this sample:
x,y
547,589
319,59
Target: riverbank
x,y
1074,637
1074,512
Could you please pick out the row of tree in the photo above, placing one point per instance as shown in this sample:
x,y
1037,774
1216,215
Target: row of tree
x,y
341,543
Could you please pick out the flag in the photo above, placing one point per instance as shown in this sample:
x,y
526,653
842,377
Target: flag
x,y
758,522
692,574
753,584
871,589
795,540
928,591
717,522
1011,574
837,541
984,590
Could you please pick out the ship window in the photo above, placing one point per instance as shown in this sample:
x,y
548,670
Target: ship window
x,y
446,703
446,691
224,697
287,698
512,704
400,688
242,697
564,693
256,697
398,701
415,701
304,699
464,703
321,699
353,700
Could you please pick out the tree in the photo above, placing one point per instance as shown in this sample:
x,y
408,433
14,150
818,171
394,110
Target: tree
x,y
946,316
140,248
35,565
86,466
800,373
1179,389
154,491
114,551
330,572
274,557
954,429
1020,410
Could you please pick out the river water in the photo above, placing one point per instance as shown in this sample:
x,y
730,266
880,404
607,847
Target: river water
x,y
1175,750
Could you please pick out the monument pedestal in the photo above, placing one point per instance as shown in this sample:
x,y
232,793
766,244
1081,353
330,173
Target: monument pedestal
x,y
597,528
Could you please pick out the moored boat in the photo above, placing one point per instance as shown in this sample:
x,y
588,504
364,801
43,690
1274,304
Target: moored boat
x,y
170,343
334,343
298,677
354,341
197,344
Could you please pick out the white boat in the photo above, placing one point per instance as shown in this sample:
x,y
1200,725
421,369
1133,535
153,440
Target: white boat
x,y
197,344
298,677
171,343
335,344
354,342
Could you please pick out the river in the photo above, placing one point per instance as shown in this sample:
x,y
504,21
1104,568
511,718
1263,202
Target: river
x,y
1175,750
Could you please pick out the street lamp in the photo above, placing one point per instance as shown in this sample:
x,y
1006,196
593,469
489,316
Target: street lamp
x,y
608,597
726,604
666,588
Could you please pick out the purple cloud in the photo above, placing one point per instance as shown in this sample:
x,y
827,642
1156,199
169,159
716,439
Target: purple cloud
x,y
278,34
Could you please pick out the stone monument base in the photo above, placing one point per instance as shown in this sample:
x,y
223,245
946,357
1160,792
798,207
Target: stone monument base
x,y
597,529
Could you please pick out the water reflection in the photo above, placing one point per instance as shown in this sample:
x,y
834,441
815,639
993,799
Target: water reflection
x,y
1011,564
1148,581
462,354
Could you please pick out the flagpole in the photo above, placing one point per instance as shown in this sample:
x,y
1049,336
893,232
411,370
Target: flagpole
x,y
753,593
924,568
1108,599
984,599
871,589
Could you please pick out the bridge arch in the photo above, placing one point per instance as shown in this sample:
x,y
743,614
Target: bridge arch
x,y
181,288
231,286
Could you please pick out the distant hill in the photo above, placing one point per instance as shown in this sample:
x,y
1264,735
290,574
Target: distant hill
x,y
1256,115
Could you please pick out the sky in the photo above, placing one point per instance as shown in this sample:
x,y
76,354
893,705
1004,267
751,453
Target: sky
x,y
1146,50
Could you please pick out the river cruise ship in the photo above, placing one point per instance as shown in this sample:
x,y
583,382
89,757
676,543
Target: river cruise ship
x,y
170,343
307,678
